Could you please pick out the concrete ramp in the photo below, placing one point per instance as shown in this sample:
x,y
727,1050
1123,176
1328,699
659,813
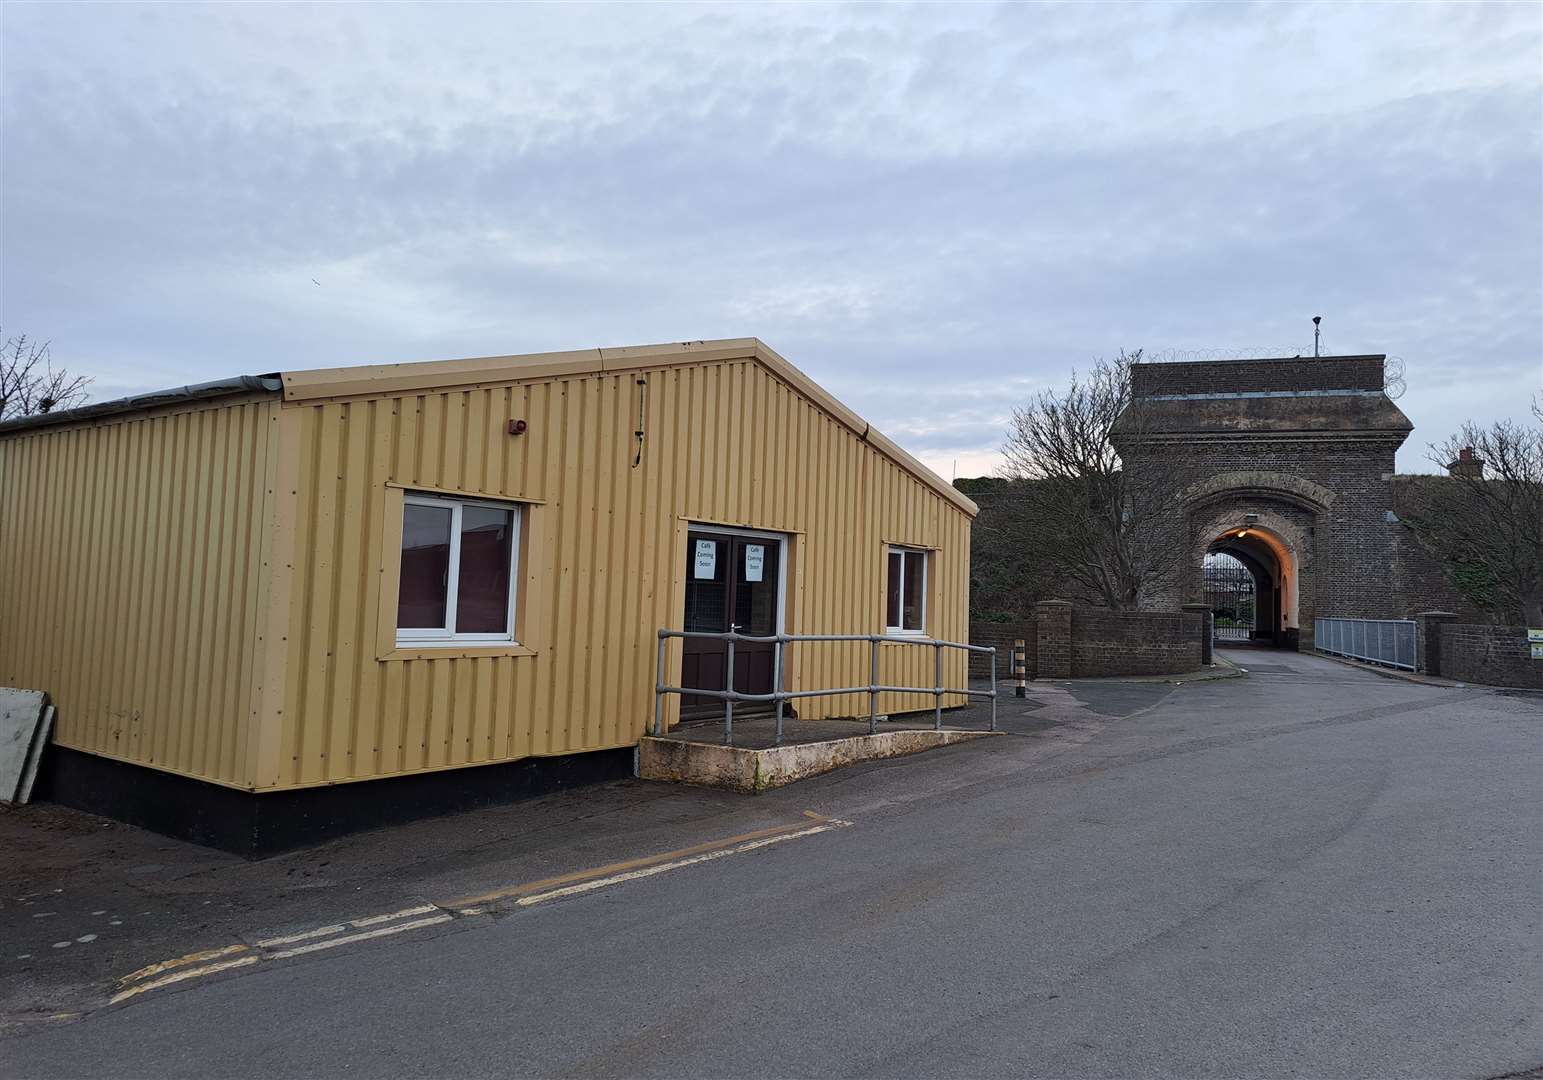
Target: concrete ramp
x,y
752,771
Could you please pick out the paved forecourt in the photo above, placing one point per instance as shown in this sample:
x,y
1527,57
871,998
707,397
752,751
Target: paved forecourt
x,y
1310,871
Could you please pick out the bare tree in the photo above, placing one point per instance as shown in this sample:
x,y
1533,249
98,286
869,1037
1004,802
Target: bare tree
x,y
1485,520
29,383
1005,580
1102,528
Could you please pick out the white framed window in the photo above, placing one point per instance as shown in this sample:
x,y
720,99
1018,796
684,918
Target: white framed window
x,y
905,591
460,563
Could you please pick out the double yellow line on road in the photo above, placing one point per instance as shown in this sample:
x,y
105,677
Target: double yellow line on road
x,y
206,962
599,877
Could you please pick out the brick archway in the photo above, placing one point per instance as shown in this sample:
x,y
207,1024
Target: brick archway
x,y
1306,445
1277,530
1239,484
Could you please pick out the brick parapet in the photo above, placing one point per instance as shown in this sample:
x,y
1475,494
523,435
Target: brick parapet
x,y
1487,654
1245,376
1064,641
1001,636
1105,643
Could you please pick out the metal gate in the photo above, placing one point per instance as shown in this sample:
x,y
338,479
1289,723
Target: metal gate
x,y
1229,593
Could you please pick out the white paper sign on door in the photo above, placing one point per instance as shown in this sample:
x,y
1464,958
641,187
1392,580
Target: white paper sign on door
x,y
706,559
755,561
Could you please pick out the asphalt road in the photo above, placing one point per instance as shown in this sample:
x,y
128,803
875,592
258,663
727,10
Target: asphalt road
x,y
1312,872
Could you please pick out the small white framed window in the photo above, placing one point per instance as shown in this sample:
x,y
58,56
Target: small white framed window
x,y
905,591
460,562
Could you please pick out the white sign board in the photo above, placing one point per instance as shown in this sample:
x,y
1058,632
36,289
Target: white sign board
x,y
706,560
755,561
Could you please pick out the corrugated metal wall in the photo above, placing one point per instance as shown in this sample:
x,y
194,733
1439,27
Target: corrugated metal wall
x,y
603,567
131,581
201,590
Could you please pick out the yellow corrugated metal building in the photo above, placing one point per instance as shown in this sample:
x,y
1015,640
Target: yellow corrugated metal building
x,y
284,582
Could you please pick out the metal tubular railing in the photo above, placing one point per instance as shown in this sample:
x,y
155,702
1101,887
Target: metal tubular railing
x,y
778,695
1378,641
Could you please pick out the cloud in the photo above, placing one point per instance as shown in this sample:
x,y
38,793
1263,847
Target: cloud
x,y
935,210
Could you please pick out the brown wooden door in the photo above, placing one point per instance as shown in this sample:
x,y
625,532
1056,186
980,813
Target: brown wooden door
x,y
732,582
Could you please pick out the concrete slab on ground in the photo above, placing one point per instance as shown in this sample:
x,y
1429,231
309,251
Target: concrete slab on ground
x,y
756,769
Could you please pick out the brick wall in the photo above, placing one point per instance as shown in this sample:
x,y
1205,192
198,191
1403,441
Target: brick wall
x,y
1076,642
1493,655
1242,376
1053,621
1002,635
1134,642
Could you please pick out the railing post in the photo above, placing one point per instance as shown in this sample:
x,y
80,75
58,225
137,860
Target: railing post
x,y
937,697
728,703
659,688
777,683
873,684
780,695
993,688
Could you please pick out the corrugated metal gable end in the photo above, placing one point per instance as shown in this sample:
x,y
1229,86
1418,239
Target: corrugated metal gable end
x,y
725,442
475,372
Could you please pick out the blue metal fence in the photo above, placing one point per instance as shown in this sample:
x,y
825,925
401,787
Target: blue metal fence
x,y
1377,641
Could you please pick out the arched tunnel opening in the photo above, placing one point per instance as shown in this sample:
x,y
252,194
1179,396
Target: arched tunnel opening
x,y
1251,588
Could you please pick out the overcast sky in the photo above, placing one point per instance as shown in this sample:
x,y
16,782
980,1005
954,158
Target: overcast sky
x,y
933,210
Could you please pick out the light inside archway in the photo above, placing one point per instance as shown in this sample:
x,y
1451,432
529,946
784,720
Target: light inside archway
x,y
1285,564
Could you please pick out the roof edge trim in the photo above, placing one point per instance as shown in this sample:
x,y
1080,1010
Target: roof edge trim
x,y
886,446
1144,362
216,388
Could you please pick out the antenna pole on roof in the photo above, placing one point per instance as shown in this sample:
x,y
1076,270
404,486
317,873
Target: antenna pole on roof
x,y
1316,320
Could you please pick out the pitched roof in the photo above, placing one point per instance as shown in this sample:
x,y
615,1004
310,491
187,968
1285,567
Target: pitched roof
x,y
376,379
439,374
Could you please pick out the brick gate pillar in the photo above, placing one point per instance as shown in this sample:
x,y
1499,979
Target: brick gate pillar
x,y
1207,631
1053,619
1427,640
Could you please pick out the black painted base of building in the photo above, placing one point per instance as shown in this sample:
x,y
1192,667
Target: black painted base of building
x,y
254,825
